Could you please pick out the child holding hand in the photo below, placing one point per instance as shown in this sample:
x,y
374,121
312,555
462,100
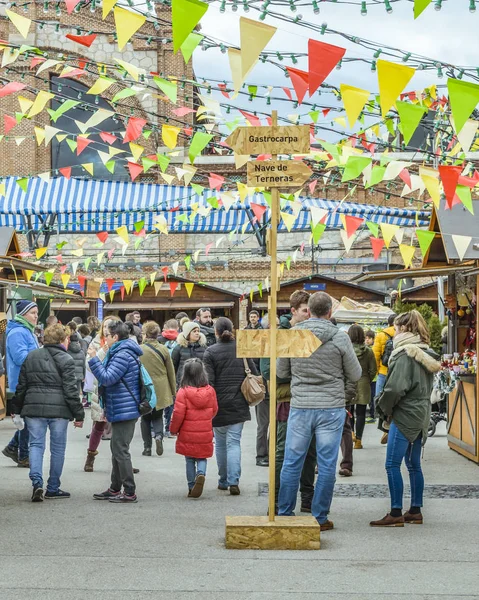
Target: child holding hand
x,y
195,407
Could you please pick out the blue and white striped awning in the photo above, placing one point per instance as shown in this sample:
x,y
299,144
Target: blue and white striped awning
x,y
86,205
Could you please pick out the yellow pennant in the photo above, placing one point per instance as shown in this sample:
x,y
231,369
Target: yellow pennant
x,y
152,277
431,181
2,189
168,178
158,285
65,277
136,150
21,23
354,100
40,103
40,252
234,57
112,295
88,168
288,220
107,5
123,233
100,85
169,133
78,253
28,274
127,24
25,104
128,283
254,38
132,70
407,253
39,134
189,288
388,231
392,79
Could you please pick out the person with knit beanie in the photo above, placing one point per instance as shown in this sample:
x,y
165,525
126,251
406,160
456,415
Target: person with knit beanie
x,y
20,341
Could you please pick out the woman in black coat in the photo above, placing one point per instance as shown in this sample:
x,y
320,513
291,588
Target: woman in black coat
x,y
226,373
191,343
47,398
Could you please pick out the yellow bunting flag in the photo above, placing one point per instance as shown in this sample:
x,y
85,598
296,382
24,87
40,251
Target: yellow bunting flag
x,y
107,5
407,253
78,253
112,295
128,283
132,70
430,177
348,242
189,288
28,274
169,133
25,104
158,285
152,277
254,38
21,23
65,277
461,243
39,134
127,24
40,252
136,150
388,231
123,233
40,103
234,57
100,85
392,79
2,189
88,167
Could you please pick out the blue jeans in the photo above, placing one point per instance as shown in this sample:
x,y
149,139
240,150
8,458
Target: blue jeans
x,y
400,448
228,453
380,381
194,467
168,413
19,442
327,425
58,440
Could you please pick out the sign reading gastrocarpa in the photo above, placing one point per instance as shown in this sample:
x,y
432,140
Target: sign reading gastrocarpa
x,y
290,139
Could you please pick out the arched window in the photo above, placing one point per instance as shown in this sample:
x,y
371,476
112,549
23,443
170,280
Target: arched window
x,y
62,155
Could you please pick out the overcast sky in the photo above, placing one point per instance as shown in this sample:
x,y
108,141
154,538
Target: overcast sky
x,y
449,35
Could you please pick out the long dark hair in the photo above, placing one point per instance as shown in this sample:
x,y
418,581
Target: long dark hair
x,y
224,329
356,334
194,374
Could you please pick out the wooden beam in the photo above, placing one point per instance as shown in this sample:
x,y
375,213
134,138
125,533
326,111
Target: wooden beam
x,y
284,533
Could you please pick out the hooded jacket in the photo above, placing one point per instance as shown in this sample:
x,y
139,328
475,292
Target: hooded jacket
x,y
192,420
185,350
19,342
407,392
380,341
121,363
367,360
319,380
226,374
157,361
76,352
47,386
209,332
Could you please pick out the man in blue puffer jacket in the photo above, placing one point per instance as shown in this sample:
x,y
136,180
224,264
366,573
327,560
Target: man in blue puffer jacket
x,y
119,386
20,341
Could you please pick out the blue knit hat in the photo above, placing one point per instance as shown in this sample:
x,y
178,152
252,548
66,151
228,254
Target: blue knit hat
x,y
23,306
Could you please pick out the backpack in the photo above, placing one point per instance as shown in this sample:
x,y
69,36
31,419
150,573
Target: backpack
x,y
147,400
171,344
388,348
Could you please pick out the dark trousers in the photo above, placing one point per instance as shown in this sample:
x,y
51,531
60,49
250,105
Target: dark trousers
x,y
307,474
372,404
168,413
155,420
262,421
122,470
347,446
358,418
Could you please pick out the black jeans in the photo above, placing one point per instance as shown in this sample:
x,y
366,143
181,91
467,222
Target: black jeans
x,y
122,433
358,427
155,420
307,474
262,420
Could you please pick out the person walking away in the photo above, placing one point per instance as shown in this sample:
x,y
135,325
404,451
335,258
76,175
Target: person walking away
x,y
79,359
298,302
78,321
119,378
362,398
207,328
195,407
382,349
47,398
85,337
253,321
51,320
179,317
100,425
317,408
405,400
226,373
169,334
20,341
157,361
369,341
94,324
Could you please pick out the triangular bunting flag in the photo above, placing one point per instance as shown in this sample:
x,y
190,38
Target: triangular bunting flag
x,y
21,23
158,285
322,58
420,6
173,287
300,81
407,253
425,239
449,177
392,78
348,242
461,243
107,5
254,38
463,98
189,45
464,195
135,169
354,100
258,210
351,224
388,232
189,288
185,15
354,167
377,245
410,116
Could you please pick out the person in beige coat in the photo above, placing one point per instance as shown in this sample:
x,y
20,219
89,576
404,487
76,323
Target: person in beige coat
x,y
157,361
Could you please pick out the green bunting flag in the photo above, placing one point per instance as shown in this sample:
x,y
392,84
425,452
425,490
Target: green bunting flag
x,y
142,283
354,167
464,194
198,189
188,262
189,45
167,87
463,97
425,240
23,183
48,277
420,6
198,143
410,116
67,105
163,161
318,231
373,228
377,175
147,164
139,226
185,16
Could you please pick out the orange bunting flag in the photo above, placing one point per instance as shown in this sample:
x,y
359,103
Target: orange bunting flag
x,y
351,224
322,58
134,129
84,40
66,172
173,286
300,81
82,143
377,245
450,178
135,169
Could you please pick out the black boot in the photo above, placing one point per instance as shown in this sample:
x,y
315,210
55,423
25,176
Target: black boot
x,y
147,451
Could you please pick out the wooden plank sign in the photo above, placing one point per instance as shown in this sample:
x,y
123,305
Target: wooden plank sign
x,y
277,173
290,343
291,139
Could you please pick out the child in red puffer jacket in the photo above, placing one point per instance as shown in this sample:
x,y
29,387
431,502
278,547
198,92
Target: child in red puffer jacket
x,y
195,407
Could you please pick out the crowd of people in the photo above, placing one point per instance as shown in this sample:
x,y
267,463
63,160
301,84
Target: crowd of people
x,y
185,380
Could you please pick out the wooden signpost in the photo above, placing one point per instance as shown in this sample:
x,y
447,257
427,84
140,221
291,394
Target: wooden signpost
x,y
295,533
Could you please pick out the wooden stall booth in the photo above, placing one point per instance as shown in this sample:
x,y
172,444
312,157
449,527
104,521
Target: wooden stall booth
x,y
164,300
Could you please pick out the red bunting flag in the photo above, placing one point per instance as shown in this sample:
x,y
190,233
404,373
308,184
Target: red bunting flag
x,y
208,248
288,93
9,123
66,172
109,284
63,268
135,169
183,110
73,73
312,186
82,143
252,119
351,224
377,245
36,60
82,281
165,272
173,286
300,81
222,87
122,292
188,130
406,177
322,58
133,129
469,181
84,40
108,138
11,88
215,181
258,210
326,112
110,254
102,236
450,178
71,5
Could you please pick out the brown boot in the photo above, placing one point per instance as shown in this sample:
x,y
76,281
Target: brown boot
x,y
358,444
90,459
384,438
415,519
388,521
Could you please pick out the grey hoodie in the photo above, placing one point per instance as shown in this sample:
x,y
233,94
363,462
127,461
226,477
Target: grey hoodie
x,y
318,381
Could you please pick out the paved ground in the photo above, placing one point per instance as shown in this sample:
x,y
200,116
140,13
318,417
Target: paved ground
x,y
171,547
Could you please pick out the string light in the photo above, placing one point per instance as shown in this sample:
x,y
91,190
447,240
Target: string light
x,y
472,6
438,5
388,7
364,9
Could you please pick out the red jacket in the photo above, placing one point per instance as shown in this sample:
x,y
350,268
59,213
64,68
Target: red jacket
x,y
192,420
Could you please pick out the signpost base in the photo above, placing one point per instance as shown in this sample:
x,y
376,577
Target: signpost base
x,y
284,533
